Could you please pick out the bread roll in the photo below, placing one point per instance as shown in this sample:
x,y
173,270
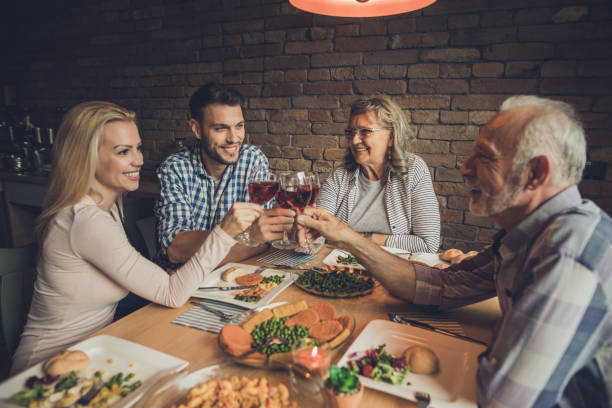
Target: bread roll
x,y
65,362
441,265
449,254
230,274
458,259
422,360
471,254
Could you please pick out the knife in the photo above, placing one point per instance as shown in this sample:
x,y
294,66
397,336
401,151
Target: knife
x,y
260,269
422,325
224,287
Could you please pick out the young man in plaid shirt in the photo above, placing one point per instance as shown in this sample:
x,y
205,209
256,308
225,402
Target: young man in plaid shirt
x,y
550,266
200,185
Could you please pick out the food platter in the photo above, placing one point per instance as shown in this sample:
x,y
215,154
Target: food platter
x,y
344,283
336,257
454,386
260,330
176,389
110,354
226,277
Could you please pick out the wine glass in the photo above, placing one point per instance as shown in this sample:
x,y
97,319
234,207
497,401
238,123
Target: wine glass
x,y
294,193
309,246
263,185
316,186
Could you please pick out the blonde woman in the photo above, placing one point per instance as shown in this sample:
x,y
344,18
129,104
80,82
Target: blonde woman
x,y
383,191
86,263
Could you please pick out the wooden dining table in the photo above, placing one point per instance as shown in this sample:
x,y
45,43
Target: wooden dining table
x,y
152,326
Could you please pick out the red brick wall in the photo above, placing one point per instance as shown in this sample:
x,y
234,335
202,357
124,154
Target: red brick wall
x,y
449,66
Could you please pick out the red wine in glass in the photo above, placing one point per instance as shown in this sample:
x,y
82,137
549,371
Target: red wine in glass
x,y
296,199
260,192
315,195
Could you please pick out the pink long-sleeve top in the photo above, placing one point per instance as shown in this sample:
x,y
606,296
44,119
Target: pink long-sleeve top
x,y
86,266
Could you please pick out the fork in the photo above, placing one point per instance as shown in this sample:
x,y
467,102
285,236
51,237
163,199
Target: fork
x,y
218,312
422,398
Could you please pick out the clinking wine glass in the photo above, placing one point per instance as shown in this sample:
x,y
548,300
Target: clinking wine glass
x,y
294,193
263,185
315,184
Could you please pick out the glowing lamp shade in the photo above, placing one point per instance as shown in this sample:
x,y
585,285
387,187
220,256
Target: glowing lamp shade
x,y
360,8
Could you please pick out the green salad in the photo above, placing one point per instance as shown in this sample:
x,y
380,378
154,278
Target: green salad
x,y
379,365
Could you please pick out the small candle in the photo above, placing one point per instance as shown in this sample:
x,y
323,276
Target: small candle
x,y
313,358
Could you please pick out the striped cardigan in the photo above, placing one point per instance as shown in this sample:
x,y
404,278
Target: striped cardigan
x,y
410,204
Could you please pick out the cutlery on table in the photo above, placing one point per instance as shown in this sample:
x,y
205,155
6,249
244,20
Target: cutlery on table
x,y
423,399
427,326
218,312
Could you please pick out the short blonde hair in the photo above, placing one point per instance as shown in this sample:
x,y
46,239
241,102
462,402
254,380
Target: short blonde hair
x,y
75,156
389,115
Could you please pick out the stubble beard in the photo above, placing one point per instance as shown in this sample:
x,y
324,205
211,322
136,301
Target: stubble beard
x,y
214,154
508,197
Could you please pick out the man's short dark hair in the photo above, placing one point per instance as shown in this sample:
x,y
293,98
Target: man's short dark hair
x,y
213,93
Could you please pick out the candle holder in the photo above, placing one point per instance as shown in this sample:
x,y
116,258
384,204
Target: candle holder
x,y
308,358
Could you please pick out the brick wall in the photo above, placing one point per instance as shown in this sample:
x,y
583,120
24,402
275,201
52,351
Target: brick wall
x,y
449,66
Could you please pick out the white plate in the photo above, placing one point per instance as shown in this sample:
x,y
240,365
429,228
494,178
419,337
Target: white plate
x,y
428,259
454,386
146,363
227,296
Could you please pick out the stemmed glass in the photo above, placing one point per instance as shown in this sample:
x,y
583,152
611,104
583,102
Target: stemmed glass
x,y
263,185
294,193
315,184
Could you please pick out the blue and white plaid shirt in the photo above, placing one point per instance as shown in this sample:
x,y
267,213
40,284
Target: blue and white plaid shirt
x,y
189,200
553,276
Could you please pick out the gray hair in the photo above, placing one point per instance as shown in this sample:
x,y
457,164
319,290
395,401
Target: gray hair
x,y
390,115
554,131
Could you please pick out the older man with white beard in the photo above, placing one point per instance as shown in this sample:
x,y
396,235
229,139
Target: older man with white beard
x,y
550,265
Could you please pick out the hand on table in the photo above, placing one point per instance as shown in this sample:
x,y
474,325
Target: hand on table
x,y
271,224
240,217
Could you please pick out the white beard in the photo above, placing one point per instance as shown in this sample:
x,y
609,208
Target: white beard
x,y
508,197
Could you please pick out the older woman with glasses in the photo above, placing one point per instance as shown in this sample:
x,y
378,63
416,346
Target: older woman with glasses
x,y
383,191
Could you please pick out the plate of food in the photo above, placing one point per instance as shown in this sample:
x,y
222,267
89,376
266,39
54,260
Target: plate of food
x,y
245,385
338,257
402,360
244,285
336,281
321,322
103,369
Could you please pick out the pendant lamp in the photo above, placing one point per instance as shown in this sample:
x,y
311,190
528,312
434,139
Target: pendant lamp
x,y
360,8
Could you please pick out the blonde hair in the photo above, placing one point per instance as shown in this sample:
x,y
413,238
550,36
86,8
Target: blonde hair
x,y
75,156
391,116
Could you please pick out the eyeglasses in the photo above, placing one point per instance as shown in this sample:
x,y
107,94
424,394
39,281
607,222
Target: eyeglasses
x,y
363,132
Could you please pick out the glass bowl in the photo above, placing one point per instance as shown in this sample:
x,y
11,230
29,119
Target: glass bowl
x,y
174,389
280,360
